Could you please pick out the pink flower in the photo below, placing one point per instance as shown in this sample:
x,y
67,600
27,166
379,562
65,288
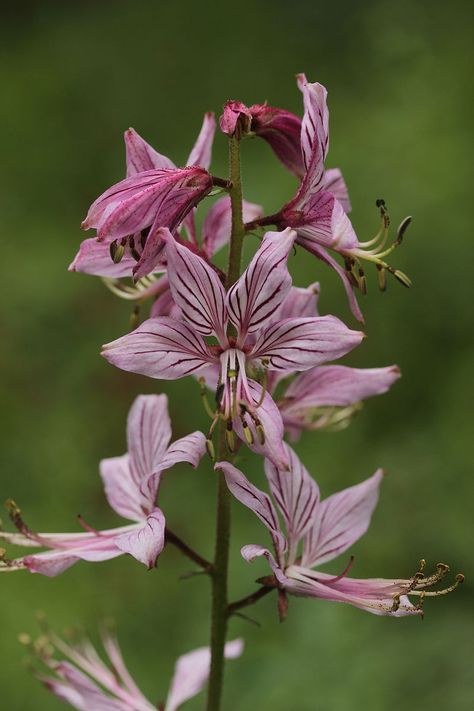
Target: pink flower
x,y
323,530
128,214
131,484
85,682
170,349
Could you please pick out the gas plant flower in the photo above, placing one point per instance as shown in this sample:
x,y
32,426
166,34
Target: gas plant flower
x,y
319,531
169,349
85,682
131,484
155,193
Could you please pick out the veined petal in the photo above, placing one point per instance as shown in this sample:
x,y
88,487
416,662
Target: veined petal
x,y
95,548
252,551
152,256
146,542
263,285
337,385
300,344
201,152
196,289
314,131
321,220
300,302
281,129
192,671
160,348
334,183
255,500
190,449
140,156
121,489
94,258
217,223
341,520
270,419
148,437
78,690
297,496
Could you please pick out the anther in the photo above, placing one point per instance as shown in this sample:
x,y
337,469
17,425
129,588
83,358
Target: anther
x,y
402,229
117,250
210,449
380,202
402,278
133,251
260,434
382,277
230,437
362,281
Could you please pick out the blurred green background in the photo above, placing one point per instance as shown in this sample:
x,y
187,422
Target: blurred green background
x,y
74,76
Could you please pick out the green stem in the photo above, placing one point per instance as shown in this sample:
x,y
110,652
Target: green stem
x,y
219,613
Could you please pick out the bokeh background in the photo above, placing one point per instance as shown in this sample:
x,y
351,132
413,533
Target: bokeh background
x,y
73,77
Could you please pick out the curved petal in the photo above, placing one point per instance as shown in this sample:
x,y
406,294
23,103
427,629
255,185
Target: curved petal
x,y
337,385
201,152
300,344
281,129
314,131
300,302
146,542
94,549
255,500
342,519
334,183
140,156
297,496
192,671
233,111
160,348
196,289
94,258
263,285
252,551
217,223
121,490
322,221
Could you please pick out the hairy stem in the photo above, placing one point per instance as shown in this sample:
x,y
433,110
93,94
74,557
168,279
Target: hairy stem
x,y
219,613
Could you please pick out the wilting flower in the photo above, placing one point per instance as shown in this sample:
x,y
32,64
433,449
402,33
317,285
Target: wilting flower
x,y
323,530
155,193
131,485
88,684
170,349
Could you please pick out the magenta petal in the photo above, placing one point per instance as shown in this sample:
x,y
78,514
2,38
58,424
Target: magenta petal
x,y
217,223
341,520
334,183
146,542
300,344
140,156
192,671
233,110
160,348
323,221
264,284
297,496
201,152
152,256
314,131
282,131
196,289
94,258
337,385
257,501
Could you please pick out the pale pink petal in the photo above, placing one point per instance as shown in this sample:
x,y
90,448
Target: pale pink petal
x,y
323,221
263,285
148,437
152,256
252,551
196,289
121,489
192,672
233,111
300,344
337,385
189,449
297,496
271,421
141,156
114,653
300,302
334,183
217,223
160,348
165,305
146,542
79,691
257,501
314,131
55,562
341,520
94,258
201,152
281,129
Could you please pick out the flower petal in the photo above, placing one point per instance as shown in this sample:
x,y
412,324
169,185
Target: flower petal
x,y
196,289
252,551
94,258
201,152
255,500
78,690
341,520
281,129
140,156
297,496
314,131
160,348
321,221
217,223
300,344
300,302
192,671
146,542
263,285
233,111
334,183
121,490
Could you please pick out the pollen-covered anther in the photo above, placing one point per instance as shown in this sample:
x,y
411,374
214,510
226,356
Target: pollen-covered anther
x,y
420,584
230,438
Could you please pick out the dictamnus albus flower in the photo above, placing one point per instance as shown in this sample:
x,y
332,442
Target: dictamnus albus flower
x,y
74,672
317,531
246,340
131,484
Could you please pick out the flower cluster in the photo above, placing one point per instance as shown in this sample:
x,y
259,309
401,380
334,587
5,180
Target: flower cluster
x,y
258,343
